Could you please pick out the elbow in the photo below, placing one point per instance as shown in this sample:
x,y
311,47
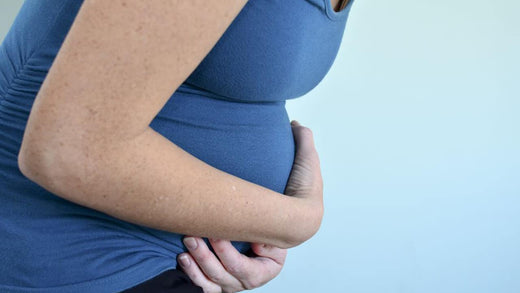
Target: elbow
x,y
308,227
46,166
298,238
32,165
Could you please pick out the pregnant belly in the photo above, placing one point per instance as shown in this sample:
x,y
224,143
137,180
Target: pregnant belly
x,y
250,140
84,248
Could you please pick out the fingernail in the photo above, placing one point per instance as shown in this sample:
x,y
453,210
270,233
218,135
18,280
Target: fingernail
x,y
191,243
185,261
295,123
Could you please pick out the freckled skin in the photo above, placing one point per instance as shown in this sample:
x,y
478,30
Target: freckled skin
x,y
88,138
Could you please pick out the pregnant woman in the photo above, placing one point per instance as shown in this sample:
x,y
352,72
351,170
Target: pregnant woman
x,y
126,124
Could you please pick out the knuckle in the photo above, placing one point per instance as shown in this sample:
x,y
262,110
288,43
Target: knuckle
x,y
204,253
231,289
215,277
217,248
252,283
232,269
258,249
213,290
235,267
220,250
203,257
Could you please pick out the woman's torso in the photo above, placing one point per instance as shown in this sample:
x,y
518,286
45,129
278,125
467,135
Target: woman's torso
x,y
230,113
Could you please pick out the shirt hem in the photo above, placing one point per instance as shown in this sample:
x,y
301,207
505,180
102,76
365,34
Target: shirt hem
x,y
117,282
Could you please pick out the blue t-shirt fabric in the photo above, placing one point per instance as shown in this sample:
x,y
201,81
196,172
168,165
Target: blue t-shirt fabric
x,y
230,112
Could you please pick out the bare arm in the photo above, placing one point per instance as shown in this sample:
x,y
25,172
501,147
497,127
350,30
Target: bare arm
x,y
88,138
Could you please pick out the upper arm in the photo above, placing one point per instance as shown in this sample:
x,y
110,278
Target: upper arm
x,y
118,65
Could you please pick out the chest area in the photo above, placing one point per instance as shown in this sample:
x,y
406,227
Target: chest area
x,y
273,50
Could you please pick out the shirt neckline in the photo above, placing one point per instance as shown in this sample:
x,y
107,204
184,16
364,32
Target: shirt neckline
x,y
333,15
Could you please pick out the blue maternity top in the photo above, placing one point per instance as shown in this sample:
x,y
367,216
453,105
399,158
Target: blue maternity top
x,y
230,112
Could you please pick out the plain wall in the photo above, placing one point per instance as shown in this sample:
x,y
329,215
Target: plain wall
x,y
417,126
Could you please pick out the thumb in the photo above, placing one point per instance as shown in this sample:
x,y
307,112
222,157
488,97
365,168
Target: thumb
x,y
269,251
304,144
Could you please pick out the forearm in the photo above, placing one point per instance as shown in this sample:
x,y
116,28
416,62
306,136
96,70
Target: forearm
x,y
150,181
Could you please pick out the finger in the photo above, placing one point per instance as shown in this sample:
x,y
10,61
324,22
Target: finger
x,y
299,129
252,272
209,263
304,141
190,267
272,252
234,261
305,177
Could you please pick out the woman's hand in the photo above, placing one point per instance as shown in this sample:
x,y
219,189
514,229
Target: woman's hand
x,y
231,271
305,180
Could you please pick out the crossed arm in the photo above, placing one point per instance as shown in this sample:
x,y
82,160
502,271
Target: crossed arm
x,y
230,271
88,138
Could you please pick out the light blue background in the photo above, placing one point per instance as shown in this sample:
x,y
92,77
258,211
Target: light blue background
x,y
417,126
